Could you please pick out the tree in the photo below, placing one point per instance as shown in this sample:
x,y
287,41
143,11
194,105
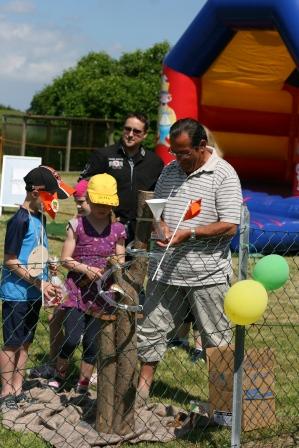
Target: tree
x,y
100,86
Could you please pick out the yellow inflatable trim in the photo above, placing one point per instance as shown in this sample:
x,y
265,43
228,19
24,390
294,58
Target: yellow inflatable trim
x,y
251,145
250,74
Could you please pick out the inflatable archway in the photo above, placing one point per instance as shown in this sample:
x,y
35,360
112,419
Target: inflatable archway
x,y
235,69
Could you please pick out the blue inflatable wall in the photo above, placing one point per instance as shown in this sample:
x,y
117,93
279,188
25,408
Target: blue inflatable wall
x,y
274,223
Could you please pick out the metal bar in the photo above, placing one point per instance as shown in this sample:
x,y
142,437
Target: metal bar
x,y
57,118
240,335
244,243
238,387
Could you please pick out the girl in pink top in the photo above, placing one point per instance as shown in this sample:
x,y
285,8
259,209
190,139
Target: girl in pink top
x,y
90,241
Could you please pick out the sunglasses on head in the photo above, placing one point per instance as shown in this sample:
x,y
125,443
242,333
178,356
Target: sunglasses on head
x,y
135,131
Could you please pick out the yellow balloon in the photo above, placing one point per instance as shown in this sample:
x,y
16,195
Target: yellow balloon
x,y
245,302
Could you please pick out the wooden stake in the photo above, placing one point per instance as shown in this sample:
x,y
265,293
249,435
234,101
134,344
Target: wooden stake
x,y
117,364
137,271
106,371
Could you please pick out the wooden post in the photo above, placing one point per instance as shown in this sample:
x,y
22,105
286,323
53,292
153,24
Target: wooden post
x,y
106,370
131,282
117,365
48,139
110,132
90,135
1,151
68,148
4,129
4,126
144,218
136,273
24,137
126,373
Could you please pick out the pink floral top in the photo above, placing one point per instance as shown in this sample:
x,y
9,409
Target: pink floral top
x,y
92,249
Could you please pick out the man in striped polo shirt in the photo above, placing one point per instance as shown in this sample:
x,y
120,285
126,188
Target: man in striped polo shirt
x,y
197,267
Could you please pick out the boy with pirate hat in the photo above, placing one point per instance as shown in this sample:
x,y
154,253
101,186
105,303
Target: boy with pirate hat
x,y
24,280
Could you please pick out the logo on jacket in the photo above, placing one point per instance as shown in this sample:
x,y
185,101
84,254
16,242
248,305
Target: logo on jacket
x,y
115,164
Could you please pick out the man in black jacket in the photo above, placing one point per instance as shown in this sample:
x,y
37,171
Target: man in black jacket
x,y
133,167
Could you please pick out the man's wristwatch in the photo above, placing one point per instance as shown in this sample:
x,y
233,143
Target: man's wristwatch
x,y
193,234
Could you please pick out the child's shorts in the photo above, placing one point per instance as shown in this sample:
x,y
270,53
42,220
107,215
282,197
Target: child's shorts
x,y
19,321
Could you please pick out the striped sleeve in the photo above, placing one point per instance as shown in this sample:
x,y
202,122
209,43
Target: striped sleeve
x,y
229,199
159,185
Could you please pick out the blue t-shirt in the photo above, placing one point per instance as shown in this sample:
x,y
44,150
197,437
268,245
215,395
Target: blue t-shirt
x,y
23,234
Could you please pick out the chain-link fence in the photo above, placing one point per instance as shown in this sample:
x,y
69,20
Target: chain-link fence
x,y
82,370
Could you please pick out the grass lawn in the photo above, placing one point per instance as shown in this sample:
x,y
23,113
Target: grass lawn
x,y
178,380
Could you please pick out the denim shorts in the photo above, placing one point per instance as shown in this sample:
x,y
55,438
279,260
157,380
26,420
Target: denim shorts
x,y
19,321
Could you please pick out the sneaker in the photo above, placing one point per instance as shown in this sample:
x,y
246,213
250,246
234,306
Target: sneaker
x,y
82,387
178,343
197,355
8,403
47,372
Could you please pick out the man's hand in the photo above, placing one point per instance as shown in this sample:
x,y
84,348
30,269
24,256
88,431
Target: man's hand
x,y
162,229
179,237
165,229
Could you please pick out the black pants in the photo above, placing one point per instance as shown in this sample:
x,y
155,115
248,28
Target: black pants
x,y
130,230
76,324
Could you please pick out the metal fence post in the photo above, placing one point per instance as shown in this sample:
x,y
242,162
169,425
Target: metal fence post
x,y
240,334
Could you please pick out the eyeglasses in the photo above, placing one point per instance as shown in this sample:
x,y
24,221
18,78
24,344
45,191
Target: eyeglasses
x,y
135,131
180,155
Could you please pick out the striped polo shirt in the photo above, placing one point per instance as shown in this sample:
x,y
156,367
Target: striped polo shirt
x,y
205,261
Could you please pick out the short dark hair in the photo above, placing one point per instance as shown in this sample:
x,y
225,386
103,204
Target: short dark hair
x,y
141,117
192,128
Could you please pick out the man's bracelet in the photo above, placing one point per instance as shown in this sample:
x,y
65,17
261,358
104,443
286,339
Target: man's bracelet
x,y
193,233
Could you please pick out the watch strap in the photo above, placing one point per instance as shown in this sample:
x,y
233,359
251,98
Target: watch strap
x,y
193,233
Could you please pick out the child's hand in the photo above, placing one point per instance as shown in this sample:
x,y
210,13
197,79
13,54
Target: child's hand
x,y
52,294
93,273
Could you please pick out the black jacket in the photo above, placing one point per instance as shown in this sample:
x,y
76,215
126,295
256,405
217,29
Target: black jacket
x,y
140,172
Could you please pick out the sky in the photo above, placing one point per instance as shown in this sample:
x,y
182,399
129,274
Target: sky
x,y
39,39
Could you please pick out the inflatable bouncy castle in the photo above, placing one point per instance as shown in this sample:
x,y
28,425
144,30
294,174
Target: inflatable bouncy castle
x,y
235,70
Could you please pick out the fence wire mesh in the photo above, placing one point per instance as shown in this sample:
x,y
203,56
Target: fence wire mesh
x,y
82,369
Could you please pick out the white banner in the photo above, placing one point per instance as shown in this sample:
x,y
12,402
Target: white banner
x,y
14,168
